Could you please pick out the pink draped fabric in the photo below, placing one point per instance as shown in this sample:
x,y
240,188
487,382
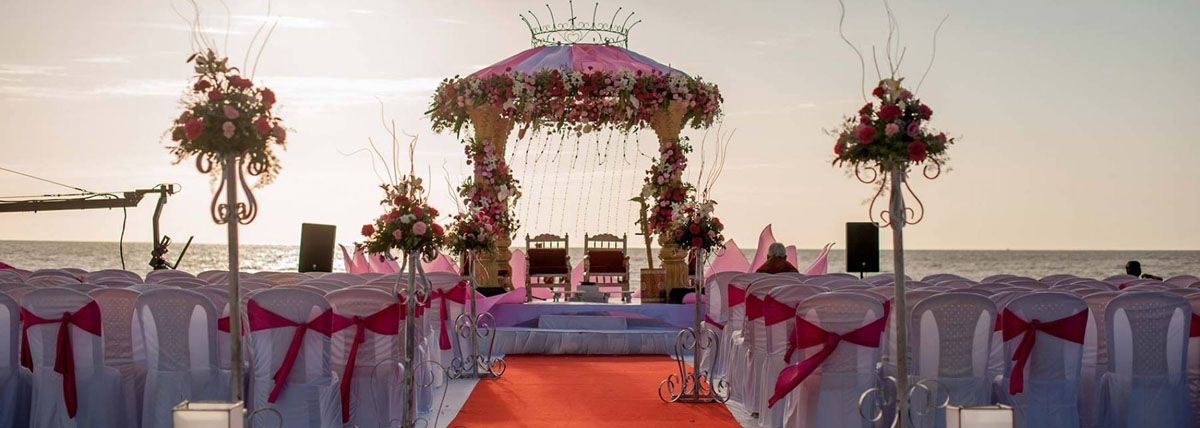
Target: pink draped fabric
x,y
392,266
375,264
351,264
765,239
485,304
807,335
820,266
5,266
577,275
360,262
582,57
259,318
516,265
87,318
791,256
730,259
385,322
775,312
1071,329
441,263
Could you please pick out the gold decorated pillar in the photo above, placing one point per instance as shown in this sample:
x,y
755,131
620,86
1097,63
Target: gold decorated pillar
x,y
493,130
667,124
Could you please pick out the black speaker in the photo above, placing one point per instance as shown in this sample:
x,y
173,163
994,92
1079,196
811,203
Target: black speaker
x,y
491,291
316,247
862,247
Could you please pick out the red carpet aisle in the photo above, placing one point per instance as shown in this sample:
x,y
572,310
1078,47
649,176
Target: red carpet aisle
x,y
583,392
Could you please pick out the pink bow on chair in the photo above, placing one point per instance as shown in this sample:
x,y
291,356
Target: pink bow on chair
x,y
808,334
1071,329
385,322
86,318
456,294
260,318
737,295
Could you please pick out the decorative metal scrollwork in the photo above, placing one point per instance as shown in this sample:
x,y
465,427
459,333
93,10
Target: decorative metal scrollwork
x,y
477,364
884,396
574,31
246,211
698,384
882,179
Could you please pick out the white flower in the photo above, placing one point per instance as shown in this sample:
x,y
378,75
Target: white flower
x,y
407,218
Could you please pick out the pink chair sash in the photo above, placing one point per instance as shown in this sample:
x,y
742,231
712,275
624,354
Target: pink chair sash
x,y
713,322
385,322
737,295
754,308
260,318
1195,330
1071,329
456,294
808,334
86,318
776,312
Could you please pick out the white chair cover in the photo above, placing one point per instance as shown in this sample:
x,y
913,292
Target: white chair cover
x,y
776,347
343,277
951,335
102,402
15,382
122,344
1146,381
754,333
160,275
716,309
179,330
1095,359
310,397
739,353
829,396
376,398
92,277
1051,390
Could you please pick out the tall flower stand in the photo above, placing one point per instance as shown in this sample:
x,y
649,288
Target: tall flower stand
x,y
695,384
474,326
412,295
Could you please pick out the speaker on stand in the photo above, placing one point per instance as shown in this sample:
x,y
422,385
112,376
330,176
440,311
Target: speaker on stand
x,y
316,247
862,248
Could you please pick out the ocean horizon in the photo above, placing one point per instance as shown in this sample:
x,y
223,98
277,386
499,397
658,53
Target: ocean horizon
x,y
973,264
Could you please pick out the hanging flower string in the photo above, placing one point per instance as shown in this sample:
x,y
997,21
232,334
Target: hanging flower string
x,y
665,188
575,102
225,114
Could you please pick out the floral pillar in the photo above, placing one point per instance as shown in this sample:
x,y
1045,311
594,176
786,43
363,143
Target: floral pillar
x,y
493,130
667,124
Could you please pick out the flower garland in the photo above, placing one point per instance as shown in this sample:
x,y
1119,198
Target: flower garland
x,y
696,228
894,134
408,223
492,191
226,115
575,101
665,187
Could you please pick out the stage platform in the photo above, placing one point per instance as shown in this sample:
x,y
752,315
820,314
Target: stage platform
x,y
589,328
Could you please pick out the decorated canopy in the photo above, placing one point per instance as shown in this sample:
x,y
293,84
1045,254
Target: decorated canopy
x,y
582,58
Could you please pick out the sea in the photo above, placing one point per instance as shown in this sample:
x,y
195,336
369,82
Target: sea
x,y
973,264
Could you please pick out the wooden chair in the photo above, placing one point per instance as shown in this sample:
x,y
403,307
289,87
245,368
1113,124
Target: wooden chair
x,y
547,263
606,262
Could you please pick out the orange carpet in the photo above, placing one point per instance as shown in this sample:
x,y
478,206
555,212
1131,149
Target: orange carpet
x,y
584,392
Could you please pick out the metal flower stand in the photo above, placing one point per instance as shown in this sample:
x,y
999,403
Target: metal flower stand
x,y
412,295
473,327
696,385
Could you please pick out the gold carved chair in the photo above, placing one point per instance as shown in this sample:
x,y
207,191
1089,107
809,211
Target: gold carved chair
x,y
606,263
547,264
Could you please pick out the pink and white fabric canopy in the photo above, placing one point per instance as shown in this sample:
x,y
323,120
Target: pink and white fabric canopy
x,y
582,58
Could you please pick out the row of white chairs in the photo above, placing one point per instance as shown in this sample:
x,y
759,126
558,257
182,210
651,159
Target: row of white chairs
x,y
953,340
160,345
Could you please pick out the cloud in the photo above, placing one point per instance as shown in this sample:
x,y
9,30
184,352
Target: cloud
x,y
30,70
362,11
451,21
104,60
282,21
774,110
187,27
294,91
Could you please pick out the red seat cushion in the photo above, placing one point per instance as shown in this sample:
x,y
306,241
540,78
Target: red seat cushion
x,y
548,261
606,261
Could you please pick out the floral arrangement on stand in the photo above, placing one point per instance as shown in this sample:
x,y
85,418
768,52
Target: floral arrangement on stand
x,y
664,189
408,224
575,101
893,134
696,228
225,114
491,193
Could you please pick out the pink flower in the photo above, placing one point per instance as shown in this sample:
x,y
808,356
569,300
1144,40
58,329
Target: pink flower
x,y
916,151
891,129
839,148
262,126
231,113
193,128
184,117
889,112
420,228
279,133
694,229
227,128
437,229
924,112
368,230
905,94
914,129
215,95
866,134
879,92
397,234
418,212
239,82
268,97
866,109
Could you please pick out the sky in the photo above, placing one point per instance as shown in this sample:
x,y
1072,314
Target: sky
x,y
1075,119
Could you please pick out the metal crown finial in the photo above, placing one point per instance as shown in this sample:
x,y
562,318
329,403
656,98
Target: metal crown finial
x,y
574,32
